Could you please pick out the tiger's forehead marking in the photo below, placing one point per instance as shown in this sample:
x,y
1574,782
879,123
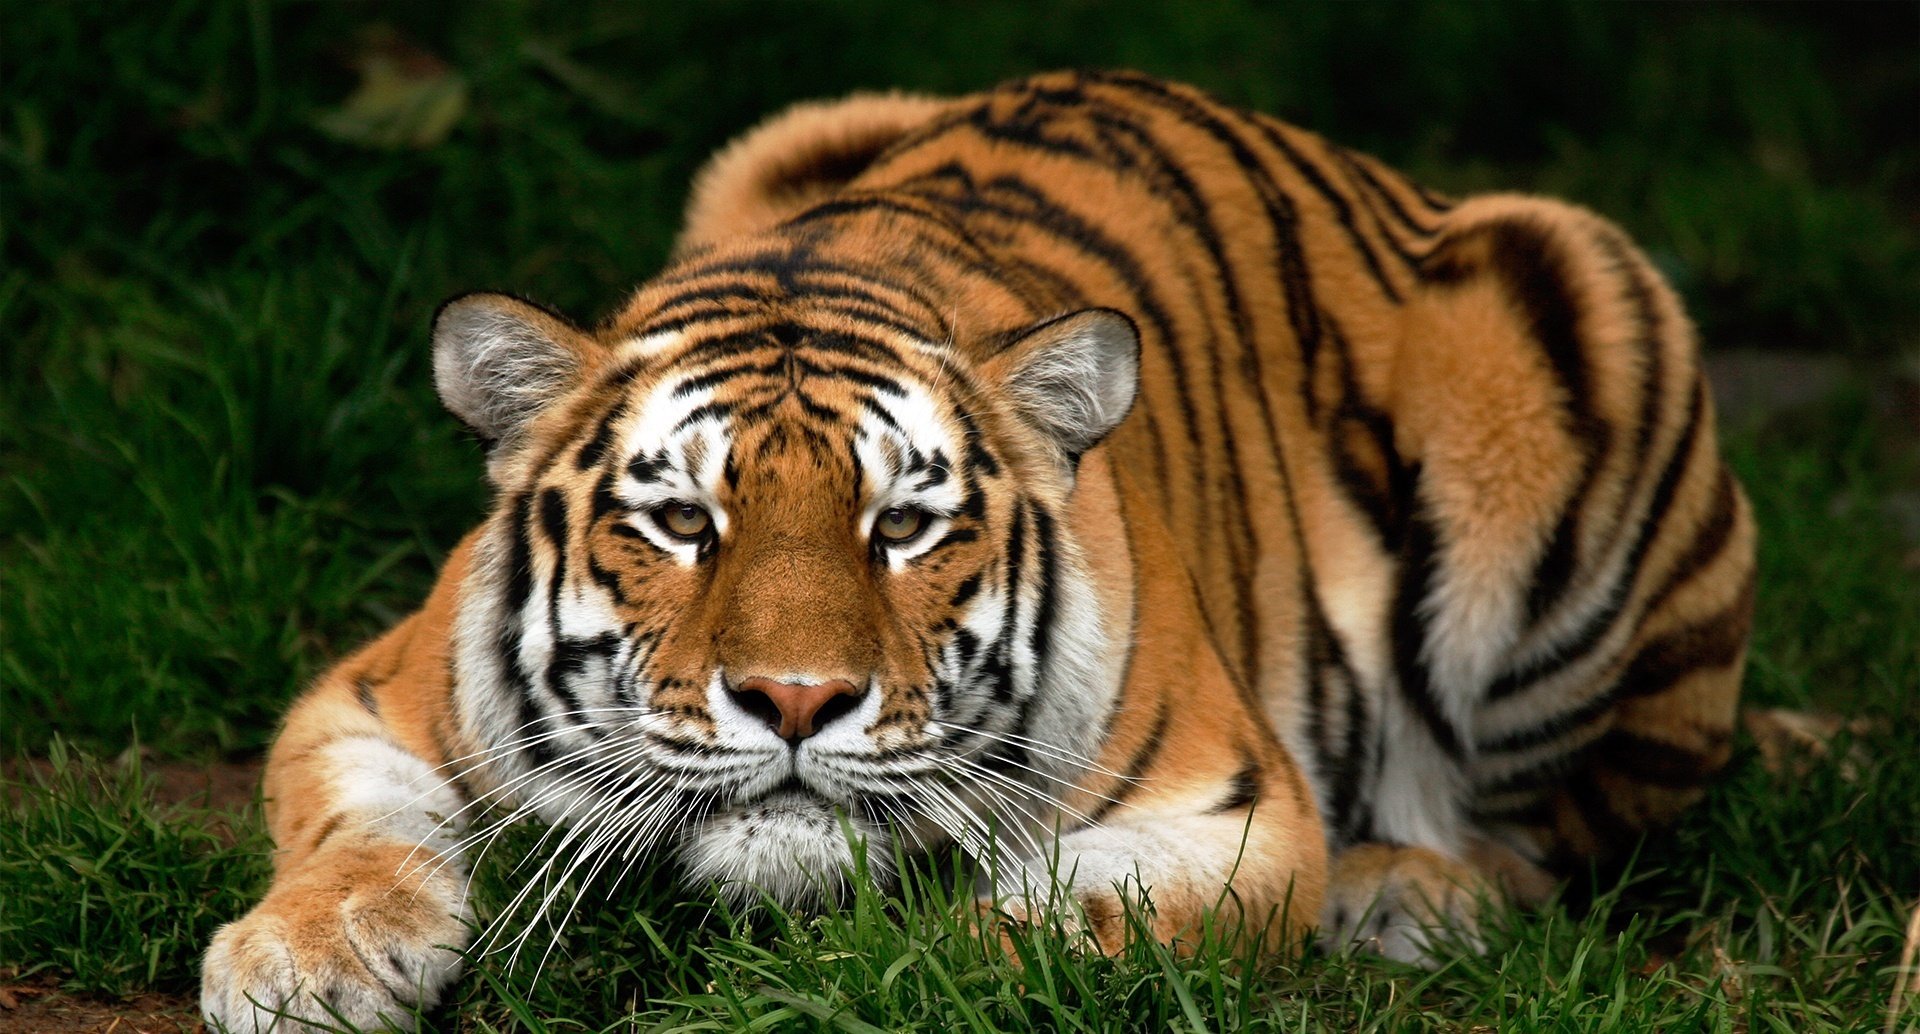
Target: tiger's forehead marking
x,y
672,413
675,448
683,428
905,445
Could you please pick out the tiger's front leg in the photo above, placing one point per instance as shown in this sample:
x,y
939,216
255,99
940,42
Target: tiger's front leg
x,y
367,905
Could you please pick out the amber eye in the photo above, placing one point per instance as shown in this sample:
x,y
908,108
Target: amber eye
x,y
683,520
900,524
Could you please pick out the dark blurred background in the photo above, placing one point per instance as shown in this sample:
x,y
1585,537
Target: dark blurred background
x,y
223,226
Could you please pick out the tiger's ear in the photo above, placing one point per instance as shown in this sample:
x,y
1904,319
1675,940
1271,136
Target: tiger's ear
x,y
1073,376
498,360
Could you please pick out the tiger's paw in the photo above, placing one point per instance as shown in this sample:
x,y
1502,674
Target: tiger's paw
x,y
1409,904
340,940
1099,878
1096,919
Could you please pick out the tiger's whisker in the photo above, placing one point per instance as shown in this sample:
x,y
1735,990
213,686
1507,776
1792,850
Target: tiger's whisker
x,y
1055,751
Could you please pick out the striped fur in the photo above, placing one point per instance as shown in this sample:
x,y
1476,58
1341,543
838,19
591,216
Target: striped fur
x,y
1286,526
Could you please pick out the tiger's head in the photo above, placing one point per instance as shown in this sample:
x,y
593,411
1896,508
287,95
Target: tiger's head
x,y
766,568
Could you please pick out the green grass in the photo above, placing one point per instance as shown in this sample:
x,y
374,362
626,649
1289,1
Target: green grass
x,y
109,891
221,465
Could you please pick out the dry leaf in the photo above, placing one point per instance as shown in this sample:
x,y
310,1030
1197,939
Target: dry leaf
x,y
407,97
1792,742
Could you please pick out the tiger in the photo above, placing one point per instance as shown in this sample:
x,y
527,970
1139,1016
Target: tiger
x,y
1149,500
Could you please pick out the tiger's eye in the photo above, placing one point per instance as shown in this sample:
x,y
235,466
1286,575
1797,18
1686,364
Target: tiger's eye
x,y
683,520
900,524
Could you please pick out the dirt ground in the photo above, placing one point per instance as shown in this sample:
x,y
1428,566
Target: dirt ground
x,y
221,786
35,1007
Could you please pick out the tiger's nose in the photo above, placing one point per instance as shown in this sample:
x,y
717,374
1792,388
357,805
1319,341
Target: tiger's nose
x,y
795,712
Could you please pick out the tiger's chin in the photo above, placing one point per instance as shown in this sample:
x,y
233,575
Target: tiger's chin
x,y
792,846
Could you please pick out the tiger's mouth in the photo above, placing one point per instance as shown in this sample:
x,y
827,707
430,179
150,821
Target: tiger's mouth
x,y
790,786
828,778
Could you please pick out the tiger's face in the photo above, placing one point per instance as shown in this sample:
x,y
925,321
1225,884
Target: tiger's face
x,y
764,590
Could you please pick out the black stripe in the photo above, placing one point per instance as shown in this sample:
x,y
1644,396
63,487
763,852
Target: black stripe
x,y
1166,179
519,557
1649,335
595,448
1709,539
996,667
1412,260
871,381
1132,773
1418,565
561,661
507,641
606,579
1385,501
363,690
1340,766
1714,642
865,204
690,322
1244,789
796,262
721,373
1365,175
934,472
954,536
704,411
1342,210
878,412
1531,778
650,469
933,234
979,462
1541,731
1655,762
1039,635
553,522
964,591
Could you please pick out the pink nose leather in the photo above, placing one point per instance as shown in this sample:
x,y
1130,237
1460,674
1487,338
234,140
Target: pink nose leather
x,y
795,711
